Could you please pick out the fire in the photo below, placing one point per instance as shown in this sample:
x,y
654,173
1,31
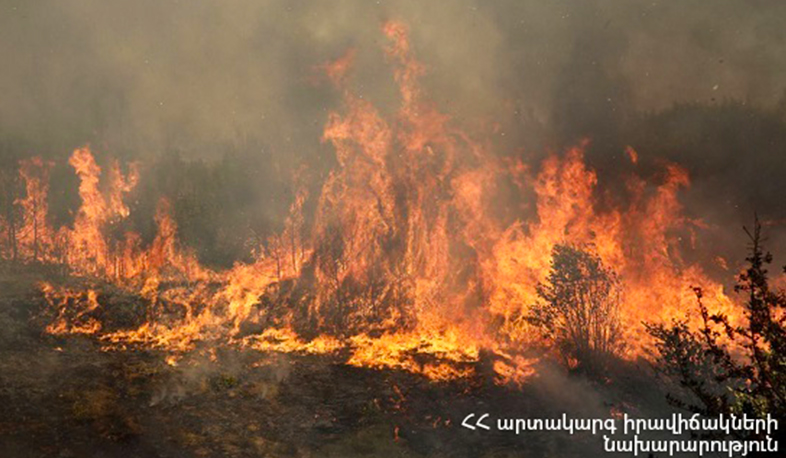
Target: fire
x,y
405,265
87,246
447,352
637,243
35,238
74,310
632,154
286,340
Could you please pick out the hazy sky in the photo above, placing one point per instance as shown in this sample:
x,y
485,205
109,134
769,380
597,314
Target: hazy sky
x,y
154,75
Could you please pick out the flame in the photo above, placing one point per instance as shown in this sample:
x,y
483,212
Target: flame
x,y
35,237
632,154
404,267
400,350
74,309
286,340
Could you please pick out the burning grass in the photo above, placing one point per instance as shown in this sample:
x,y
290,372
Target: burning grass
x,y
405,265
66,396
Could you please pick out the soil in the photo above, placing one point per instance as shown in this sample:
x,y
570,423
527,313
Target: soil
x,y
69,397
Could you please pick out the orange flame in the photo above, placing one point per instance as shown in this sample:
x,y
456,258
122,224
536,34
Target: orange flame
x,y
405,265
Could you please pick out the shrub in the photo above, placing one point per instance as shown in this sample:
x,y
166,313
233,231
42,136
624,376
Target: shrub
x,y
579,308
726,367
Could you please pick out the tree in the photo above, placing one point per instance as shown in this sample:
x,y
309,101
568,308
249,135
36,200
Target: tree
x,y
9,212
579,308
726,367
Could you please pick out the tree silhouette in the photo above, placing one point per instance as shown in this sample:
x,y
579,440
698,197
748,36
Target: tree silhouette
x,y
726,367
579,308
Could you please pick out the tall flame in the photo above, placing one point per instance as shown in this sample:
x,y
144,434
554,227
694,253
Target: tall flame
x,y
405,265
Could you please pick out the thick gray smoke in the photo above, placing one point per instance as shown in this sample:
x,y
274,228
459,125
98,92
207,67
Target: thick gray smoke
x,y
155,75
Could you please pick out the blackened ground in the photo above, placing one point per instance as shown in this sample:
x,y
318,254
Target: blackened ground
x,y
65,397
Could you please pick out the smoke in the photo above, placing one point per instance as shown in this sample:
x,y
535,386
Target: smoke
x,y
150,78
154,75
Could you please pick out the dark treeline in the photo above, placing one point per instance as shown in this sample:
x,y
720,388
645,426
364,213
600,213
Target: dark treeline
x,y
224,207
733,151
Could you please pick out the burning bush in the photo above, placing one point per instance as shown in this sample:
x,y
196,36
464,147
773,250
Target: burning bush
x,y
579,308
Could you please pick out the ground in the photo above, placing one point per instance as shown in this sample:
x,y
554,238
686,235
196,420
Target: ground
x,y
65,397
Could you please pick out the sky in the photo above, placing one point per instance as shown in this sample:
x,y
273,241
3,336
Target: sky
x,y
151,76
